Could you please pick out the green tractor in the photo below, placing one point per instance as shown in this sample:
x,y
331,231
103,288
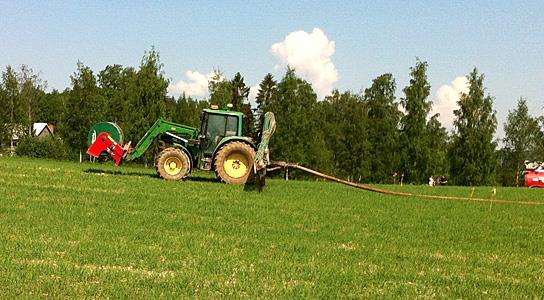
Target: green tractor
x,y
218,145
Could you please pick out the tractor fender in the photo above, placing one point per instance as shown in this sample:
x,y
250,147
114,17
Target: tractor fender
x,y
230,139
186,151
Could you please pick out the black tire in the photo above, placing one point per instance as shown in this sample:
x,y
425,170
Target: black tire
x,y
233,162
172,164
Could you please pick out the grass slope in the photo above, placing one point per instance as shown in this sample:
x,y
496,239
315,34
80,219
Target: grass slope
x,y
81,230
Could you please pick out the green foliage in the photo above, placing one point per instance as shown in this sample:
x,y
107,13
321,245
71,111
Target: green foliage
x,y
4,116
31,88
383,123
115,82
14,114
42,147
220,89
240,103
415,140
20,94
437,137
345,124
186,110
151,88
239,92
83,108
298,138
267,88
234,92
122,98
523,141
473,154
50,107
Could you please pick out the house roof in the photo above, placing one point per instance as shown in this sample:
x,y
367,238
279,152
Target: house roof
x,y
38,128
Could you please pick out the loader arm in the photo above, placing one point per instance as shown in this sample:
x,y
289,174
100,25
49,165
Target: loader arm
x,y
160,127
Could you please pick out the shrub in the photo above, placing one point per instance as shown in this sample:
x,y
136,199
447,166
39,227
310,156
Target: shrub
x,y
42,147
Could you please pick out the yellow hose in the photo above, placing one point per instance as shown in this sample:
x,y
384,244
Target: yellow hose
x,y
285,165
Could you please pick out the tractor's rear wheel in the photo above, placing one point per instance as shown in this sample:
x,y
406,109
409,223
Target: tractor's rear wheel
x,y
172,164
233,162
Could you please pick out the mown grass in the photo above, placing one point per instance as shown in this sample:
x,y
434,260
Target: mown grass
x,y
89,230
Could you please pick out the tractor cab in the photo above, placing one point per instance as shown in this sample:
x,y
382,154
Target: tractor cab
x,y
216,125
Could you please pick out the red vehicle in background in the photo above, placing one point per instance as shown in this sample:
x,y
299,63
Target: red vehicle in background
x,y
534,174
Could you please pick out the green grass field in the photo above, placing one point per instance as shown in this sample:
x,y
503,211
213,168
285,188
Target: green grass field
x,y
92,230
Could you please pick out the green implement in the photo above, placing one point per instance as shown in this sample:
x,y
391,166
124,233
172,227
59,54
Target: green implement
x,y
111,128
256,178
269,127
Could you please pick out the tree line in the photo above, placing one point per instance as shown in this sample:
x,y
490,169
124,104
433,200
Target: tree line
x,y
369,136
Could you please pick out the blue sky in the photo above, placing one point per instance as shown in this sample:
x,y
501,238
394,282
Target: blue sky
x,y
504,39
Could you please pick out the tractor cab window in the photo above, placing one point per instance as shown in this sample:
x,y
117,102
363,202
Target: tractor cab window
x,y
218,127
232,126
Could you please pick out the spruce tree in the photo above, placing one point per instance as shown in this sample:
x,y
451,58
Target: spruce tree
x,y
267,88
240,102
239,92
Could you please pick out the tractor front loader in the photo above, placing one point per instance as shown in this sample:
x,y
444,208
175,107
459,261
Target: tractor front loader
x,y
218,146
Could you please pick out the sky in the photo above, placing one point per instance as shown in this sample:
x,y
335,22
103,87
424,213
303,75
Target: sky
x,y
332,44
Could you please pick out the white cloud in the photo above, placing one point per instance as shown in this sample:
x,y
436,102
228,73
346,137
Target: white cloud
x,y
447,97
310,54
196,85
253,91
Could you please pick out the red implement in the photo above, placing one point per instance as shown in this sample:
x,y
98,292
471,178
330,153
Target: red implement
x,y
105,143
534,179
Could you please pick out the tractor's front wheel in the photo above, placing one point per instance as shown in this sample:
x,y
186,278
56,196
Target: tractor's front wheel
x,y
233,162
172,164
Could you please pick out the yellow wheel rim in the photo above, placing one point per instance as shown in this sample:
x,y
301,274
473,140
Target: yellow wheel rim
x,y
172,165
236,165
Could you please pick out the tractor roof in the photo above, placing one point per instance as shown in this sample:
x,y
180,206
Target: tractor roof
x,y
223,112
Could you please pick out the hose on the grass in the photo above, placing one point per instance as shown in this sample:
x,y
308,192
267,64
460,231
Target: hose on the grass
x,y
286,165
